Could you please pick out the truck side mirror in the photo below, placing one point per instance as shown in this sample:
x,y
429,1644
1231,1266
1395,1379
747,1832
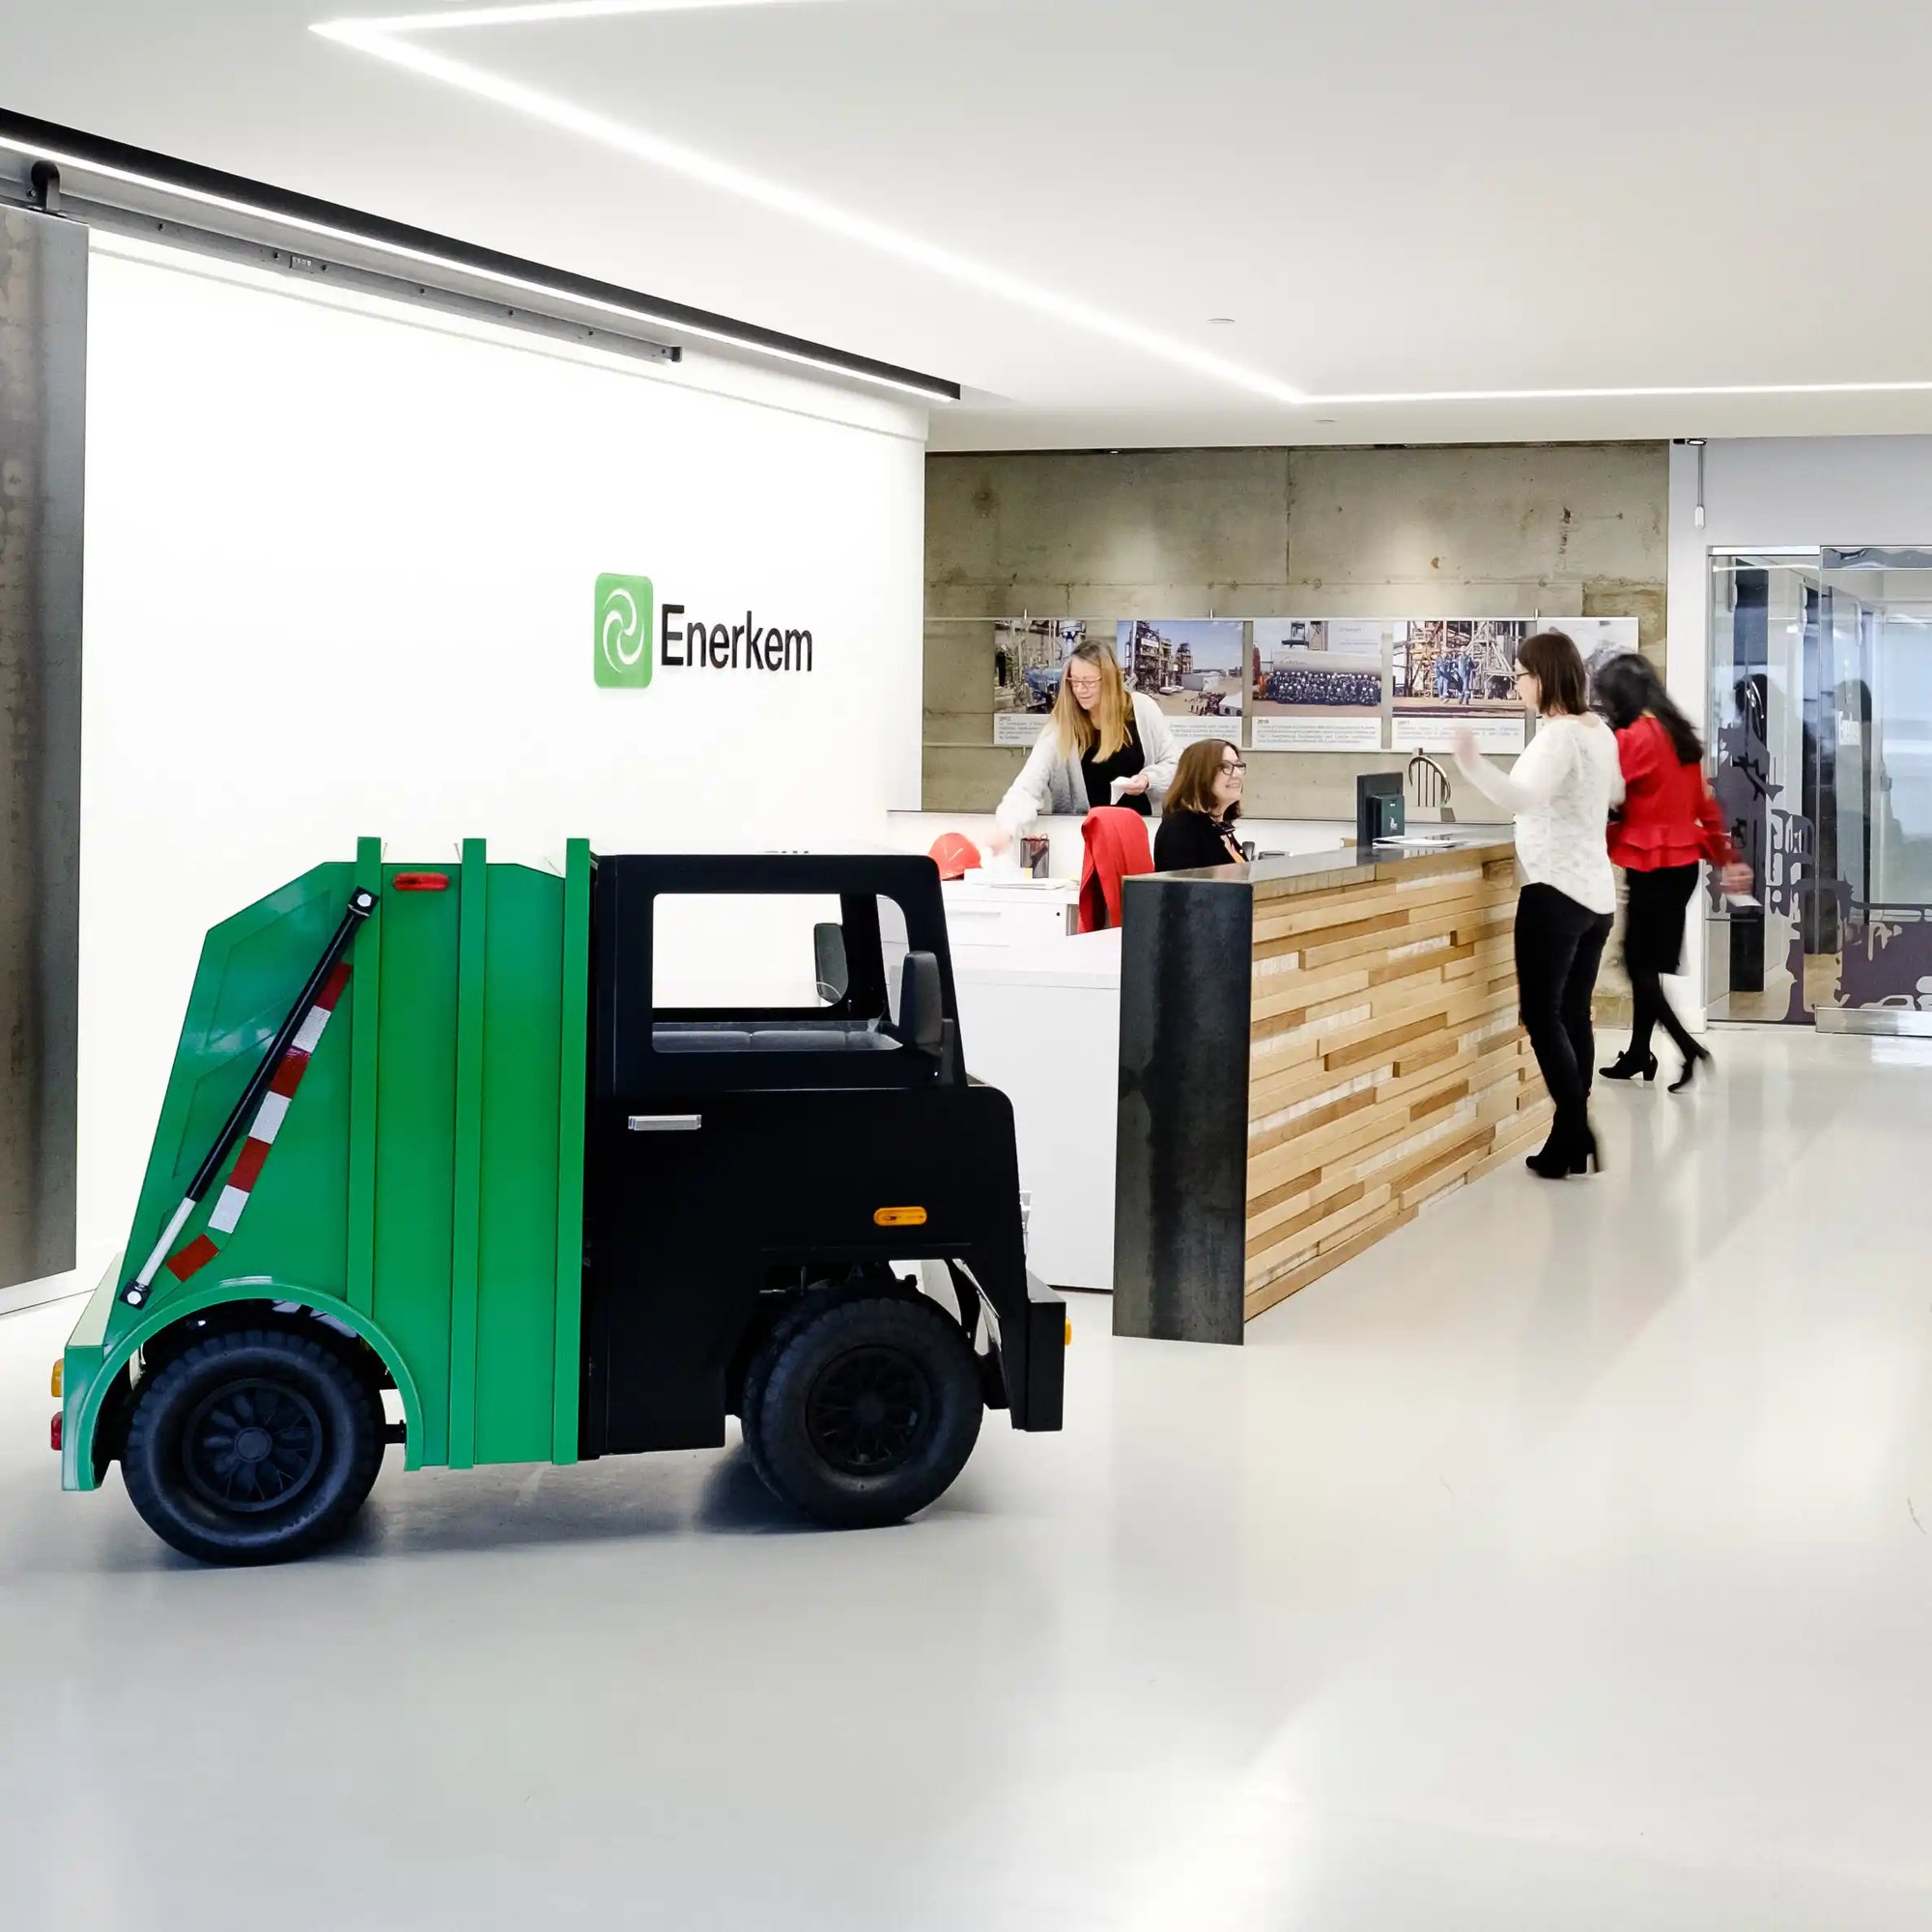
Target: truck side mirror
x,y
835,975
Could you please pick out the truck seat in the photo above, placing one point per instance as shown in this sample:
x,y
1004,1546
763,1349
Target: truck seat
x,y
836,1036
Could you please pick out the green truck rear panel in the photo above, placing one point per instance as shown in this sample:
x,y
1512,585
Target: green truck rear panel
x,y
523,1066
426,1183
415,1140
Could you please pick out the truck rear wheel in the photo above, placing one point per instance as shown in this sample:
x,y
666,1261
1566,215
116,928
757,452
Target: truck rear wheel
x,y
866,1411
252,1447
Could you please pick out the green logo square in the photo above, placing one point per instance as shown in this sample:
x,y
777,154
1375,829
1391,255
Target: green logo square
x,y
626,612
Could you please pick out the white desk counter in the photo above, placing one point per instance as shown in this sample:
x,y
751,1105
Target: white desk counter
x,y
1041,1022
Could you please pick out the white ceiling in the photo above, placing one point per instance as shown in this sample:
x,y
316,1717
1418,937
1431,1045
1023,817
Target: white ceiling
x,y
1388,197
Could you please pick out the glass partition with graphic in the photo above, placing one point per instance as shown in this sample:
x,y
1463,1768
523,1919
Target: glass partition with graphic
x,y
1822,741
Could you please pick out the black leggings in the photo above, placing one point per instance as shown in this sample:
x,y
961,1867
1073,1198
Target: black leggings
x,y
1650,1007
1559,945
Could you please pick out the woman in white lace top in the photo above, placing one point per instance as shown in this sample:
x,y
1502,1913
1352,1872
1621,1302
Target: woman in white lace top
x,y
1561,794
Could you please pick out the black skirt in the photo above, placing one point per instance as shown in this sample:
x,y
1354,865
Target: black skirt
x,y
1653,918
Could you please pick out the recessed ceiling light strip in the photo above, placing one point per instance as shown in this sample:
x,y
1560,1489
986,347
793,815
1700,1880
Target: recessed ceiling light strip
x,y
165,188
548,13
378,40
397,41
1633,392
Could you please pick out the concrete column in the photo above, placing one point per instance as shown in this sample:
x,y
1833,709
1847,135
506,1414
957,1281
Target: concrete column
x,y
42,389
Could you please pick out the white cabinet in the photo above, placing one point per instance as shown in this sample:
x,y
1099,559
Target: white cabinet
x,y
982,915
1040,1019
1042,1024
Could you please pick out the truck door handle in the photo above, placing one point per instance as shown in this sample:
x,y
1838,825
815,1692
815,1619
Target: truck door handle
x,y
666,1124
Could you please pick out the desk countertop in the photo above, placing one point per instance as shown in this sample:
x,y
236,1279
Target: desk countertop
x,y
1086,959
1315,871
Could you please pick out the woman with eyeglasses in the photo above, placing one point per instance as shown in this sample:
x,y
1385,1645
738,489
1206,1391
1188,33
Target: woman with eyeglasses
x,y
1196,824
1103,744
1560,792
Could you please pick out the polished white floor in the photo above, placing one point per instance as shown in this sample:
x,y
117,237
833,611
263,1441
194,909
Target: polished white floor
x,y
1561,1564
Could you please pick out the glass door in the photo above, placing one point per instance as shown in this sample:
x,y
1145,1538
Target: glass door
x,y
1821,713
1766,960
1875,786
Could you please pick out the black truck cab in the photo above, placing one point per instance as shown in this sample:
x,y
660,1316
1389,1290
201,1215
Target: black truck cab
x,y
806,1214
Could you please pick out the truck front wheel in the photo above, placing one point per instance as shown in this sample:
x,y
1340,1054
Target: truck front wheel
x,y
866,1410
252,1447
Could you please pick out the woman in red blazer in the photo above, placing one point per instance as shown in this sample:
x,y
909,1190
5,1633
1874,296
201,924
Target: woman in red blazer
x,y
1669,823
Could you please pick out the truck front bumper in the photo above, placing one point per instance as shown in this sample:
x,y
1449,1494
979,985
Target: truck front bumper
x,y
1039,1392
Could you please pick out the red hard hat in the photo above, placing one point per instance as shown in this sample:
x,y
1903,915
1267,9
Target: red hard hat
x,y
956,855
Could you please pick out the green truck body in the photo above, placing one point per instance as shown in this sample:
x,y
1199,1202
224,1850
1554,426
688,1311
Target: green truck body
x,y
448,1233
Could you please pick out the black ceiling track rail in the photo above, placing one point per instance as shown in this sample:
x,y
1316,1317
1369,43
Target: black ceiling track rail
x,y
189,178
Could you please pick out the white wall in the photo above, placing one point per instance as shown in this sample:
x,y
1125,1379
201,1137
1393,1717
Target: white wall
x,y
1777,492
340,569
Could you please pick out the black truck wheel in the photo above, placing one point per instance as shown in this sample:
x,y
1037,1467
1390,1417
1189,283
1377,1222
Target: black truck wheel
x,y
866,1410
766,1356
252,1447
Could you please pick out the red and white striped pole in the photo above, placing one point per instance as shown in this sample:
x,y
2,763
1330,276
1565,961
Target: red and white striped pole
x,y
263,1105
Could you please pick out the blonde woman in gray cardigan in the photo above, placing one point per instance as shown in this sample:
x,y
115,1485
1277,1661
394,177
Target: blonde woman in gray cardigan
x,y
1103,744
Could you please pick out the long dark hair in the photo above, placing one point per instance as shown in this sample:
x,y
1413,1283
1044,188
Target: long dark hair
x,y
1629,686
1553,659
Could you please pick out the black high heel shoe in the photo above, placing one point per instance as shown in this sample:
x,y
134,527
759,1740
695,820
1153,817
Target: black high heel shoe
x,y
1551,1161
1571,1149
1628,1066
1698,1057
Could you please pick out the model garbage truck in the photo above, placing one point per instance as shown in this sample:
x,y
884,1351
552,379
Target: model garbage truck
x,y
436,1167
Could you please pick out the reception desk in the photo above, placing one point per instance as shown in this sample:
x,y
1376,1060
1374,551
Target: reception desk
x,y
1312,1049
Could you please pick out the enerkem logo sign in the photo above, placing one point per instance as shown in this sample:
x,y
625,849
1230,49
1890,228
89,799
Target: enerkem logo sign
x,y
624,659
624,608
746,646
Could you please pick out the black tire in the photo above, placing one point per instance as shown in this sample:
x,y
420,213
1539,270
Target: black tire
x,y
867,1408
253,1447
751,1401
815,1300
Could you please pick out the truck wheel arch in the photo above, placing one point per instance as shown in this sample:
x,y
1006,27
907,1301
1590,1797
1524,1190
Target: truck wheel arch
x,y
112,1376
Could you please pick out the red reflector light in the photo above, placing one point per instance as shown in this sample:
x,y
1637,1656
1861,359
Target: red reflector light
x,y
421,882
55,1432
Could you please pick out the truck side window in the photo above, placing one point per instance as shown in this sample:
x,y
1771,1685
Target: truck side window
x,y
774,973
738,950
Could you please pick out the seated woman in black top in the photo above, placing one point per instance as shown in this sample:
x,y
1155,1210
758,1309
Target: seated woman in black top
x,y
1203,804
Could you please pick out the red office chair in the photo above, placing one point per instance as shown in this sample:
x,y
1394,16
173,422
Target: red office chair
x,y
1117,848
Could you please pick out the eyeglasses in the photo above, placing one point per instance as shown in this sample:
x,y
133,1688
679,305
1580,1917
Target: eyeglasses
x,y
1235,770
1082,686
